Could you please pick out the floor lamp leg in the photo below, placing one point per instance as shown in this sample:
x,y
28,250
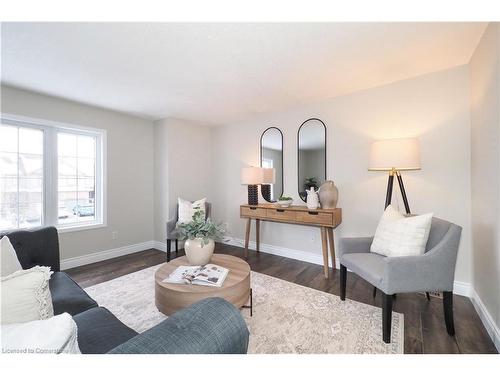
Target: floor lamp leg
x,y
390,183
403,192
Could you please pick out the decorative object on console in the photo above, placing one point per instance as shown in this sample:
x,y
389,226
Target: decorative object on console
x,y
252,176
199,236
285,201
269,179
312,199
271,157
395,155
310,182
328,195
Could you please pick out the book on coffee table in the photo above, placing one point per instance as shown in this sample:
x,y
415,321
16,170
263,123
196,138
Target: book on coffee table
x,y
208,275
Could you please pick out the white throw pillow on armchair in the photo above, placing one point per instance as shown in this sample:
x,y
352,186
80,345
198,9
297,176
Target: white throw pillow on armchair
x,y
398,235
187,209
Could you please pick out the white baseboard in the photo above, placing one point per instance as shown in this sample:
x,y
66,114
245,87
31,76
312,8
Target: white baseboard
x,y
461,288
486,318
106,254
158,245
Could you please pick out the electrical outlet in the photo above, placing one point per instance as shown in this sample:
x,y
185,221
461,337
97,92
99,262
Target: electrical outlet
x,y
114,234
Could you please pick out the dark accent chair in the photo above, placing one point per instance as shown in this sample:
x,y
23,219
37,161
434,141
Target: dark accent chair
x,y
432,271
211,326
171,228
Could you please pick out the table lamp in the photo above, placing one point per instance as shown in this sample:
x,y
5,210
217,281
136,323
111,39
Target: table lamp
x,y
269,178
395,155
252,176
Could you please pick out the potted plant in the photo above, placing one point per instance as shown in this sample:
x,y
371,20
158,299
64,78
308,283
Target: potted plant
x,y
285,201
311,182
199,236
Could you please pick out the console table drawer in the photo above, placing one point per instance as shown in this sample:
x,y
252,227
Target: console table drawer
x,y
281,214
253,212
315,217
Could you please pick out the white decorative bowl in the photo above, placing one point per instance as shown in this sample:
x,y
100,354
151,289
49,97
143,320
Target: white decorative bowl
x,y
285,203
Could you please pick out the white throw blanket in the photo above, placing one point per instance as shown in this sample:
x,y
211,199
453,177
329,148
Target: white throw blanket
x,y
53,336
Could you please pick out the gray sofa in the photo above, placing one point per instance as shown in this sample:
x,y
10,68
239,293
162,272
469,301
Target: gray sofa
x,y
210,326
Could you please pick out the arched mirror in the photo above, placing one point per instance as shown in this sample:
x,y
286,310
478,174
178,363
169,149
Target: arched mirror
x,y
311,155
271,156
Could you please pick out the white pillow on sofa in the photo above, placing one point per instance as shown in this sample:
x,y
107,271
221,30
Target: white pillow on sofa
x,y
187,209
55,335
26,296
8,258
398,235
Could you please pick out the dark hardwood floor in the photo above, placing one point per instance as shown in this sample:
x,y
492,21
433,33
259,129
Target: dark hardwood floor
x,y
425,331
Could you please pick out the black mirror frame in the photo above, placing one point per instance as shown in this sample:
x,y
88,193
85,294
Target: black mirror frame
x,y
282,161
298,152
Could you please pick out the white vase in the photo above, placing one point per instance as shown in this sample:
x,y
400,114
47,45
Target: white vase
x,y
312,200
198,254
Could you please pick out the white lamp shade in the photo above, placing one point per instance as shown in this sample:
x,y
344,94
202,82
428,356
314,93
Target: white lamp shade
x,y
269,176
401,154
252,175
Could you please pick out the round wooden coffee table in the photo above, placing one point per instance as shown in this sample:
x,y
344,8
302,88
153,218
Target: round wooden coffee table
x,y
172,297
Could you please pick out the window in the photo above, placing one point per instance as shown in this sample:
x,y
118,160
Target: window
x,y
21,177
50,174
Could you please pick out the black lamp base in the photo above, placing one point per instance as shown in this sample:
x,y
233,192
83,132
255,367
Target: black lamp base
x,y
253,195
266,192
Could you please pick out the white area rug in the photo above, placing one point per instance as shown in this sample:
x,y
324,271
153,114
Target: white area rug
x,y
287,318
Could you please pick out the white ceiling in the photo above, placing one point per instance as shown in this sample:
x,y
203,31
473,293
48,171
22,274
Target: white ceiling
x,y
222,73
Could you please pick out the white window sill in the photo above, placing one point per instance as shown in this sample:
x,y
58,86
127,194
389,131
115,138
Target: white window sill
x,y
76,228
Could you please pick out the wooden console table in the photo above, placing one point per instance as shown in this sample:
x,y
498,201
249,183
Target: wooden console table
x,y
325,219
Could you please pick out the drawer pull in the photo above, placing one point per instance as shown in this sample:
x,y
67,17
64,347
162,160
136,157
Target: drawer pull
x,y
253,208
312,212
279,210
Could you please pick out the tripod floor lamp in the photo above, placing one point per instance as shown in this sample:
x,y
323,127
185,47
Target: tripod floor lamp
x,y
395,155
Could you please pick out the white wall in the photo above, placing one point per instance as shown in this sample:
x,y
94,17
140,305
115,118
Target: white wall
x,y
129,169
183,167
434,108
485,160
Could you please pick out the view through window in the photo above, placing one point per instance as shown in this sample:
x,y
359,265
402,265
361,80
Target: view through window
x,y
21,177
49,176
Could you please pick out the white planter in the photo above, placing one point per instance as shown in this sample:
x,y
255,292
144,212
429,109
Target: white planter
x,y
196,254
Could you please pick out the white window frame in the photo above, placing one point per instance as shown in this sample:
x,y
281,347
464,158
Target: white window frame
x,y
50,175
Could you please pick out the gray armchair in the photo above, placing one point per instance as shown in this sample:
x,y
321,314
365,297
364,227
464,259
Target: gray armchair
x,y
432,271
171,227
